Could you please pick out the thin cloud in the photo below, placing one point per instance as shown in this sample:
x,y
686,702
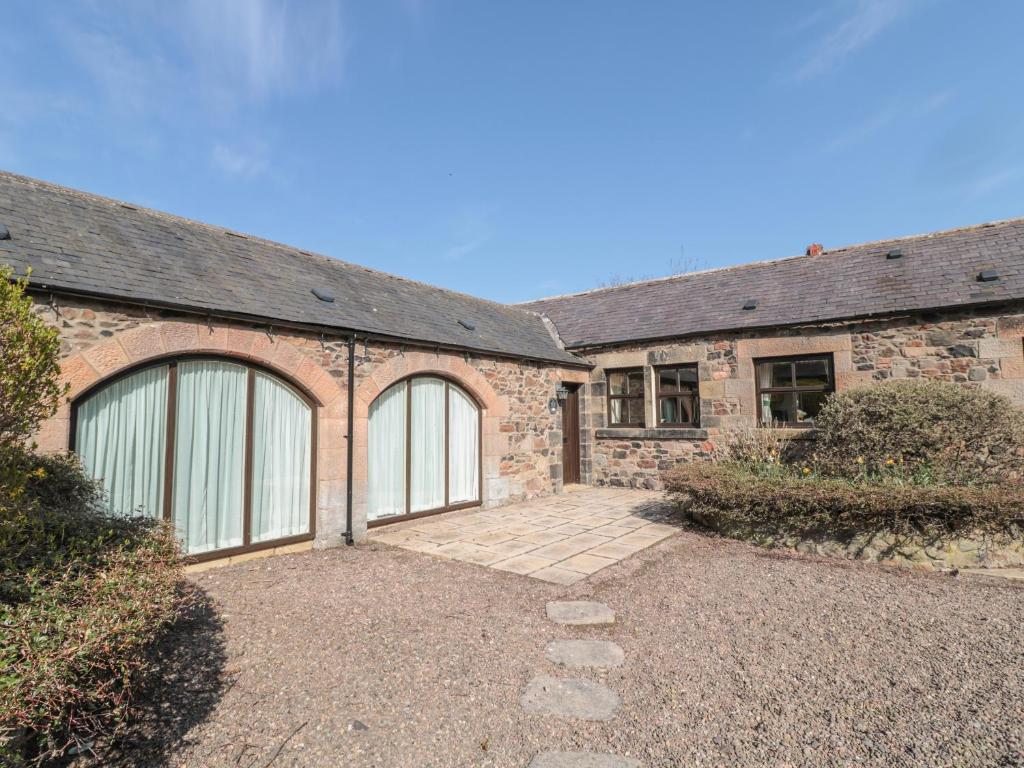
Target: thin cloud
x,y
868,19
865,129
472,230
222,54
457,252
128,80
991,182
263,48
244,161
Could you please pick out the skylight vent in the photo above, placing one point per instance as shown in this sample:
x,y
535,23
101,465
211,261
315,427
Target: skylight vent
x,y
750,304
5,233
322,295
467,325
988,276
895,253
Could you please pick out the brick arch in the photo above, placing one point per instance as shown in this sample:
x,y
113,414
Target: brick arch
x,y
153,341
422,364
414,363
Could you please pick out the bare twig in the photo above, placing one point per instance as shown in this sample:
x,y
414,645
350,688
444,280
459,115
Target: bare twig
x,y
281,746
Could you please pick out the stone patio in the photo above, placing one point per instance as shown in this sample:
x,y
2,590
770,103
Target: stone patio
x,y
560,539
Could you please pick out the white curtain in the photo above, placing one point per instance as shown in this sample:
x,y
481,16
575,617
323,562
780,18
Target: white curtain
x,y
386,453
280,461
427,450
121,438
209,455
463,447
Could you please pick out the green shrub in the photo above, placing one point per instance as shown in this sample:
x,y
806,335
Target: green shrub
x,y
30,385
934,431
82,598
740,502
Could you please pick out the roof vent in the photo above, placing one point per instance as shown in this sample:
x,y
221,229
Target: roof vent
x,y
895,253
467,325
987,275
750,304
5,233
322,295
815,249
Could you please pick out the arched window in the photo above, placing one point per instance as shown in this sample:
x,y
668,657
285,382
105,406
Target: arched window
x,y
424,449
222,449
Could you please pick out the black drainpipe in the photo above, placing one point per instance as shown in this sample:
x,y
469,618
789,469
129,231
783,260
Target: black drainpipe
x,y
349,438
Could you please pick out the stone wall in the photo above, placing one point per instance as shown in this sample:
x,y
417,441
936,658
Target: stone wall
x,y
975,347
522,441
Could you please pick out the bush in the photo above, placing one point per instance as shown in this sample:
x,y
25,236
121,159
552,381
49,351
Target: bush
x,y
939,431
737,501
82,598
30,386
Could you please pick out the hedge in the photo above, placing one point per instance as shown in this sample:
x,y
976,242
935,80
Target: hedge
x,y
82,598
741,502
944,432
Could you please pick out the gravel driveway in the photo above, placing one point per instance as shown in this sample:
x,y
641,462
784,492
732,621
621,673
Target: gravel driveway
x,y
376,656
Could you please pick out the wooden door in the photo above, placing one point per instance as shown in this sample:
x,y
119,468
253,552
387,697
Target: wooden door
x,y
571,435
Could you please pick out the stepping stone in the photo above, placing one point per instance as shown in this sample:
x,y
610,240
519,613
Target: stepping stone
x,y
569,698
580,612
581,760
584,653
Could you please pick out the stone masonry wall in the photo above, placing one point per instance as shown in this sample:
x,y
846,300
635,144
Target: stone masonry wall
x,y
982,348
522,441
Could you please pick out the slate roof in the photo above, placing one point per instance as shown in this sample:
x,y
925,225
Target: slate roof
x,y
936,271
84,243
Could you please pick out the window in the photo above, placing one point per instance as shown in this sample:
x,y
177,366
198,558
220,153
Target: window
x,y
626,398
222,449
678,401
424,449
791,391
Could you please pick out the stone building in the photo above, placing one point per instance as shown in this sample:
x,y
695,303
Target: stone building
x,y
267,398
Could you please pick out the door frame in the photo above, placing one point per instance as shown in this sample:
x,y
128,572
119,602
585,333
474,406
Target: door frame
x,y
571,435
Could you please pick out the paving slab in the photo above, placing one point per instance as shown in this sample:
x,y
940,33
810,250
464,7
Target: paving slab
x,y
586,563
582,760
584,653
568,530
578,612
557,575
570,697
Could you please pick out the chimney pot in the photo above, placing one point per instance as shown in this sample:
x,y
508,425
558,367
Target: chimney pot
x,y
815,249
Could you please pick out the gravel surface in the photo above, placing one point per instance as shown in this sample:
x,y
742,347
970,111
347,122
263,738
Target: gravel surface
x,y
375,656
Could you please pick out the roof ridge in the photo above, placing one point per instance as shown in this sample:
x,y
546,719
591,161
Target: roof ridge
x,y
157,213
765,262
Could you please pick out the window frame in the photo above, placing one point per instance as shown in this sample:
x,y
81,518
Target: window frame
x,y
251,368
642,397
693,397
448,506
830,388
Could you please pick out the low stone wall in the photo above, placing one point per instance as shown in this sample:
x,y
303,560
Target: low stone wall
x,y
639,458
981,551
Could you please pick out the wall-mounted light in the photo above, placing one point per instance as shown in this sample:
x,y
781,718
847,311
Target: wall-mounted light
x,y
561,392
553,405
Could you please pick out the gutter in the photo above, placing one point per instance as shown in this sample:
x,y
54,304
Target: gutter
x,y
265,321
349,438
579,348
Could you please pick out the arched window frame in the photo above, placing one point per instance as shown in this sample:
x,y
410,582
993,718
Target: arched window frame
x,y
252,368
449,383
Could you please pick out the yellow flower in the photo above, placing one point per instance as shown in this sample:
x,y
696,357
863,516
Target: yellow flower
x,y
860,459
889,462
807,470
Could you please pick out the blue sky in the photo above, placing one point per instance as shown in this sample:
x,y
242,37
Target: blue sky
x,y
518,149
